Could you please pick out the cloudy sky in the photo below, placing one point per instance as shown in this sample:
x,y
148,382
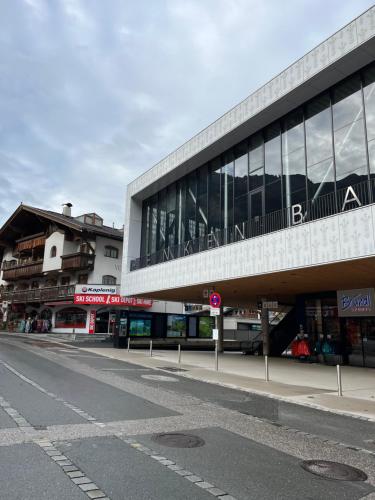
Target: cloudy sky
x,y
94,92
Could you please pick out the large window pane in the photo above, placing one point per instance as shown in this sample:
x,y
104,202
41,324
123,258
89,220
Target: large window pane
x,y
241,209
227,176
256,154
240,169
214,207
145,241
181,204
318,130
153,223
347,102
162,219
171,215
369,96
190,209
273,197
272,153
294,173
293,136
256,179
321,179
350,154
202,179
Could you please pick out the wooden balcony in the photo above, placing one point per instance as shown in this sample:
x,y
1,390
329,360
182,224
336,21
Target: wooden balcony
x,y
30,244
22,270
39,294
77,261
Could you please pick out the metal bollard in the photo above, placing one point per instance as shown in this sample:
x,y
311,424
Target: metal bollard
x,y
150,348
339,381
266,369
128,344
179,354
216,355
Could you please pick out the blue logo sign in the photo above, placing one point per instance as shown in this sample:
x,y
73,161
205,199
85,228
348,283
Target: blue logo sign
x,y
360,302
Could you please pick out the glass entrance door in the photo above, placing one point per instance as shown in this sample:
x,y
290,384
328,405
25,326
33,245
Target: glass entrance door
x,y
354,341
368,339
360,335
256,202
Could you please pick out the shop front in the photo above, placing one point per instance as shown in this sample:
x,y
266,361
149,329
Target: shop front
x,y
339,327
150,325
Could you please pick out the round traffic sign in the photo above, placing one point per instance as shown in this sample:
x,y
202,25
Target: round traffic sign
x,y
215,300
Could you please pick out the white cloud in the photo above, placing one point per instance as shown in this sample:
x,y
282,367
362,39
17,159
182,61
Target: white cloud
x,y
94,92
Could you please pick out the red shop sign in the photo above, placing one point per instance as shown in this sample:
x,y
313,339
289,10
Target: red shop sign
x,y
92,319
111,300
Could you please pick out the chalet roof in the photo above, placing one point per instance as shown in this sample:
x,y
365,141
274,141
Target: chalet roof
x,y
63,220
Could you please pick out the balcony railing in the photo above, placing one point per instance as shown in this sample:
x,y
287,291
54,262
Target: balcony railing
x,y
318,208
30,244
38,294
76,261
25,269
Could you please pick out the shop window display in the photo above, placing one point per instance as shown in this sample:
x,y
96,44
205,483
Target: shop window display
x,y
72,317
140,327
176,325
206,324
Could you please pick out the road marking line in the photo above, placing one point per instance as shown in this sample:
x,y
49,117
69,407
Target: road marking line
x,y
71,406
76,476
177,469
17,418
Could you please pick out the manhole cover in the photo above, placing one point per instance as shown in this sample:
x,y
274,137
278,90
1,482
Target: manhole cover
x,y
177,440
333,470
160,378
171,369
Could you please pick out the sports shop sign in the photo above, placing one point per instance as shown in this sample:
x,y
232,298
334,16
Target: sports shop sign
x,y
106,295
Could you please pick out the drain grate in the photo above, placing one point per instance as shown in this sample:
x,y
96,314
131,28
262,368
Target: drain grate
x,y
333,470
172,369
40,427
178,440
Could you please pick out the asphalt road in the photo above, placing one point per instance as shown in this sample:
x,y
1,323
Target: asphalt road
x,y
74,425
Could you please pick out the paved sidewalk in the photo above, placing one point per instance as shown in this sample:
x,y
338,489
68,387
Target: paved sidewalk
x,y
302,383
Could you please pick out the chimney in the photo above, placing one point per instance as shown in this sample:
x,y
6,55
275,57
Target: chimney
x,y
67,209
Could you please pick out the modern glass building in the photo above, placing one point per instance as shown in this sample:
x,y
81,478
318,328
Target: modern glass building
x,y
275,200
309,157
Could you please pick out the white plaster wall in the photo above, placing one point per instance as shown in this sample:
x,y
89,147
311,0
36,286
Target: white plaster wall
x,y
7,256
106,265
70,247
344,236
162,306
52,263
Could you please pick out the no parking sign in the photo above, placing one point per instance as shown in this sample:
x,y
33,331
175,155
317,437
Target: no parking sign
x,y
215,300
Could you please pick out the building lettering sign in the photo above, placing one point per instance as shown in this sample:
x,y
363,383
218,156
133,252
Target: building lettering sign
x,y
298,216
96,289
111,300
357,302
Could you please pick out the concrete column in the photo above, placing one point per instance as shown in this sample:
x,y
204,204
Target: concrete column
x,y
265,331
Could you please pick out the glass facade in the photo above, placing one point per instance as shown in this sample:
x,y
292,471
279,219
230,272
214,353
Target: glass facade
x,y
307,158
